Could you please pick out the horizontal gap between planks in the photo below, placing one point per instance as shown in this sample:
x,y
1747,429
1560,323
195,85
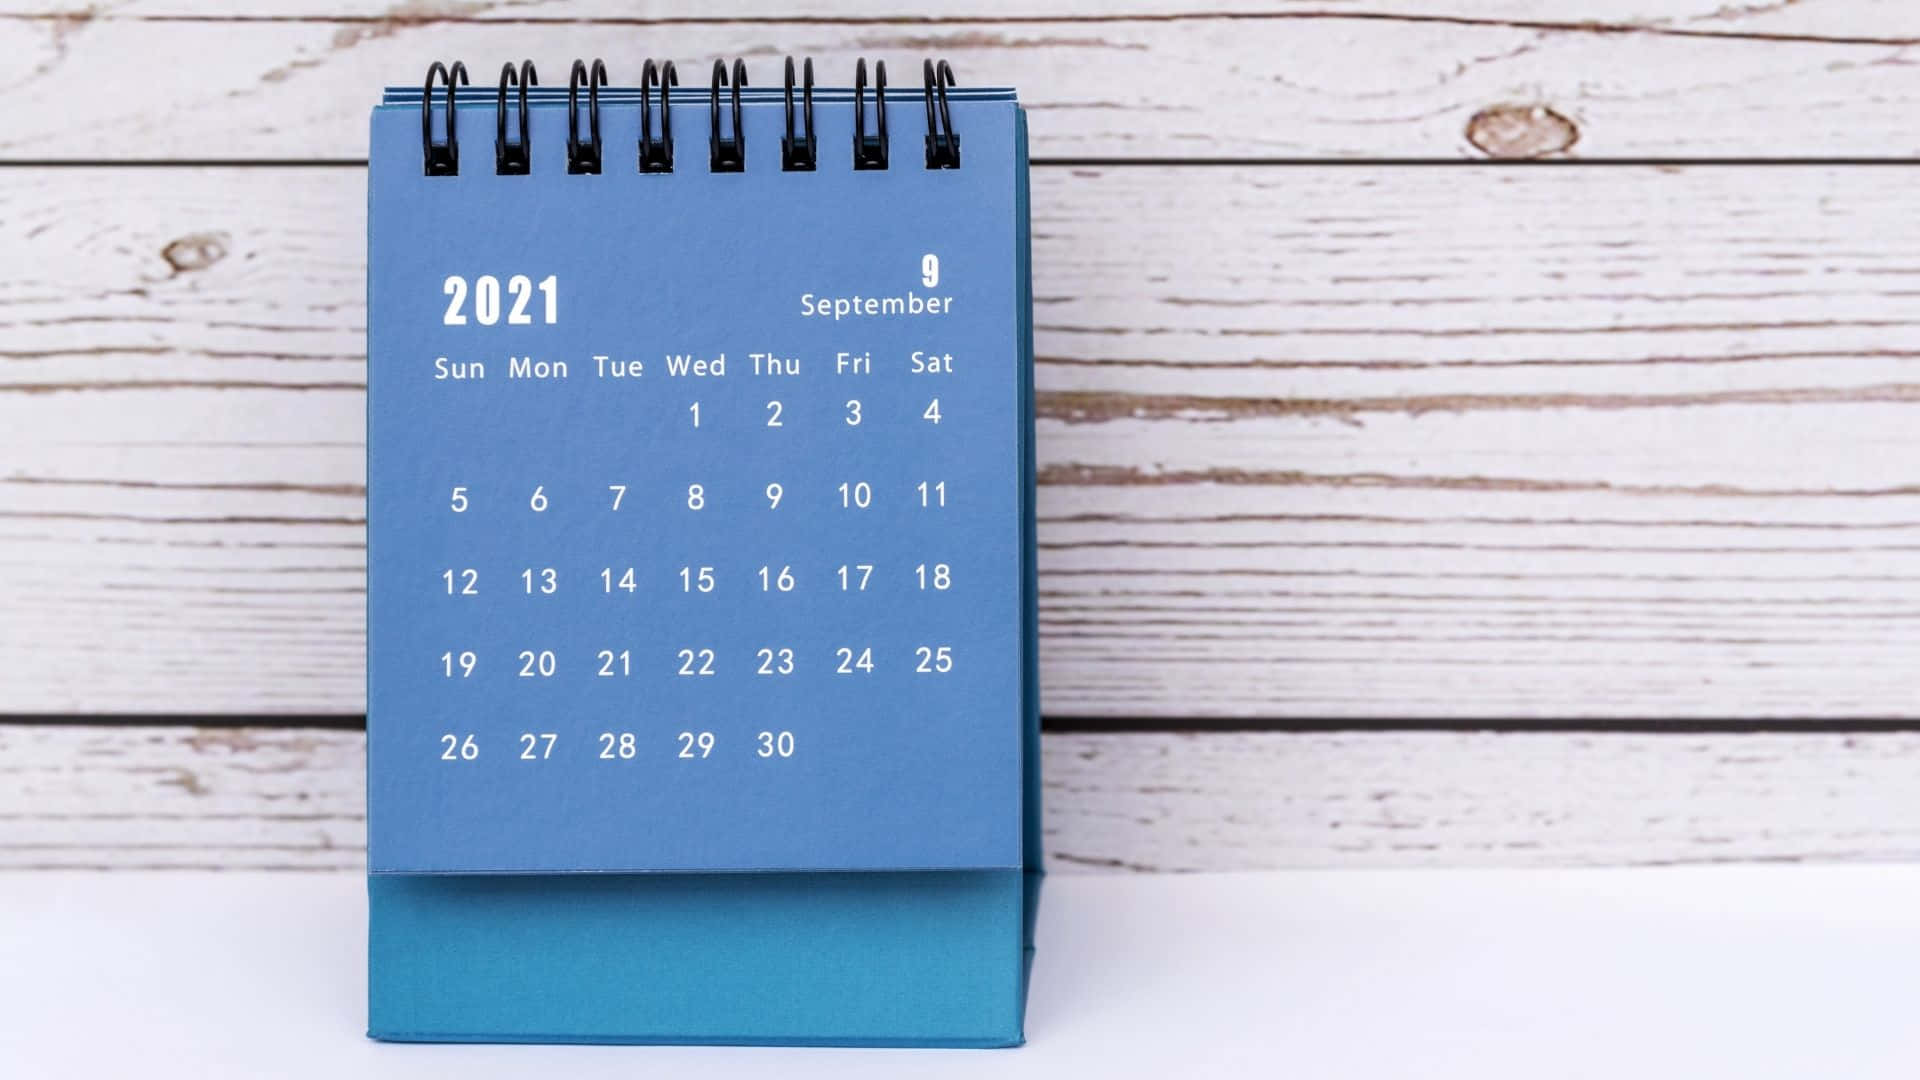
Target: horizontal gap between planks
x,y
1096,163
1144,724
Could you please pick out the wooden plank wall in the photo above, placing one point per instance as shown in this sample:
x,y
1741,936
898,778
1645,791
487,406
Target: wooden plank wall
x,y
1457,366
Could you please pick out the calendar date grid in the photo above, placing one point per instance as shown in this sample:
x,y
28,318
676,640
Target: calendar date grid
x,y
844,484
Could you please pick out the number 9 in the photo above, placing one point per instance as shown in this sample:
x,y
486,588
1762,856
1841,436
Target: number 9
x,y
929,270
774,491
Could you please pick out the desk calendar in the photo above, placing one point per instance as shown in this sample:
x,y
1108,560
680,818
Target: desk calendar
x,y
701,633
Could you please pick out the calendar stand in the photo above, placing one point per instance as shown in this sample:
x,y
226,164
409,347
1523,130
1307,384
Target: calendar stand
x,y
702,676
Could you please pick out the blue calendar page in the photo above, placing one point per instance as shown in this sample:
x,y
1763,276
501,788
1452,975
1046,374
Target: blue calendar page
x,y
696,499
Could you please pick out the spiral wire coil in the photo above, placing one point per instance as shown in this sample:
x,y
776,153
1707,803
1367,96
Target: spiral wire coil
x,y
727,137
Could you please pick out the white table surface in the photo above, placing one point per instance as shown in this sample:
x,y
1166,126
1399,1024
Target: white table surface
x,y
1734,971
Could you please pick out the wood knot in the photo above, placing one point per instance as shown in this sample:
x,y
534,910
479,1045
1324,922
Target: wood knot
x,y
1518,132
195,251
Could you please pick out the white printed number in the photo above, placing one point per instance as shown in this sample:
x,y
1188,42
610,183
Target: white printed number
x,y
936,661
537,745
617,746
772,743
456,748
929,269
857,495
696,744
486,299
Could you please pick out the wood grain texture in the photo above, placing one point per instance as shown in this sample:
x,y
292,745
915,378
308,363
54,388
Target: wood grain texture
x,y
84,797
1314,442
1294,78
1450,443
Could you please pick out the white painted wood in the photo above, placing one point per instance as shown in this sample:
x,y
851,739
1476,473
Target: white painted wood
x,y
1418,443
1886,19
1756,972
91,797
1295,78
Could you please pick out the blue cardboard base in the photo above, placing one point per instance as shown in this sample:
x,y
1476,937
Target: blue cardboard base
x,y
840,959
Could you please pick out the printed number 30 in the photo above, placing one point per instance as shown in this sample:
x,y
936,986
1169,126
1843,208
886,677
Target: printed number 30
x,y
929,270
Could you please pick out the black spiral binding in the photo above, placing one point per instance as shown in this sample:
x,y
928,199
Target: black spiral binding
x,y
799,155
656,156
728,154
443,158
584,157
512,158
799,147
869,151
943,146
